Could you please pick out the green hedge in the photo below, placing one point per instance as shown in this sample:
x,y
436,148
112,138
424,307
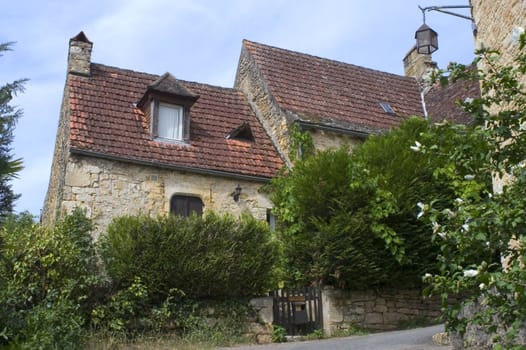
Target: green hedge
x,y
209,256
48,282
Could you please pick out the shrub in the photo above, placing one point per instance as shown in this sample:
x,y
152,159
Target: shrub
x,y
47,281
331,216
350,220
209,256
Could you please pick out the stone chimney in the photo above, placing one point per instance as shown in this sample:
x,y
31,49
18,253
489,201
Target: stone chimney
x,y
421,67
79,56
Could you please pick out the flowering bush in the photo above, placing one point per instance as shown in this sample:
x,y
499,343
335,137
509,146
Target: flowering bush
x,y
482,234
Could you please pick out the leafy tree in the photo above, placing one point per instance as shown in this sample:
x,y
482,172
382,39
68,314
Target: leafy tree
x,y
350,220
482,235
9,166
332,226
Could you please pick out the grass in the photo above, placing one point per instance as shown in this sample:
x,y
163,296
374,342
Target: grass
x,y
159,342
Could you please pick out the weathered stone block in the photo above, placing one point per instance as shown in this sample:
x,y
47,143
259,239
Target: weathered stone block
x,y
374,318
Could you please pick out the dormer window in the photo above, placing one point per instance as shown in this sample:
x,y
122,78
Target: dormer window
x,y
167,103
170,121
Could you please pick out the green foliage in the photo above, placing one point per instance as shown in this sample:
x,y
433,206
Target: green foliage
x,y
48,280
482,235
129,313
301,144
279,334
210,256
9,166
332,216
350,220
317,334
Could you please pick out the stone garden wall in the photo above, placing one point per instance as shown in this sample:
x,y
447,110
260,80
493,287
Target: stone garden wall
x,y
376,309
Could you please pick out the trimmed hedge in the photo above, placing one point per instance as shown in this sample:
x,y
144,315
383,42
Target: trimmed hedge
x,y
210,256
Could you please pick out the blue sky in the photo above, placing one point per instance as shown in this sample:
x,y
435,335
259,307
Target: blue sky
x,y
196,40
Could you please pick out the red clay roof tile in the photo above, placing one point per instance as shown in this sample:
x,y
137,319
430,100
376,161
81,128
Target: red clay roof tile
x,y
331,92
105,121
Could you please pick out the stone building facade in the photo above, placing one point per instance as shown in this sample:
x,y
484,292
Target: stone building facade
x,y
499,23
114,154
108,162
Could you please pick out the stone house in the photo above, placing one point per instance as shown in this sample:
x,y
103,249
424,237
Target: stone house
x,y
131,142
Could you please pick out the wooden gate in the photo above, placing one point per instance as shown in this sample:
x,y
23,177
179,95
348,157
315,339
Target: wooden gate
x,y
299,311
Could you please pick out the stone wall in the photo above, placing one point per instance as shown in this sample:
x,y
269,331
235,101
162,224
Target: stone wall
x,y
498,23
56,181
107,189
375,309
250,82
323,140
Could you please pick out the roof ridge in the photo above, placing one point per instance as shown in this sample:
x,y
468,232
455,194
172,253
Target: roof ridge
x,y
157,76
327,59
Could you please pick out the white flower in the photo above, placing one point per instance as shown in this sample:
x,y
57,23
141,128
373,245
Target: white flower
x,y
450,214
468,100
465,227
416,147
469,177
422,207
442,235
459,201
470,273
516,34
482,286
436,226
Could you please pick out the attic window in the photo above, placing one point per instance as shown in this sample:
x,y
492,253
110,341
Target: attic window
x,y
387,108
170,121
168,102
242,132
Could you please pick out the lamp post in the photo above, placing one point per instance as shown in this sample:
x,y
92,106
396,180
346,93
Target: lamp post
x,y
427,38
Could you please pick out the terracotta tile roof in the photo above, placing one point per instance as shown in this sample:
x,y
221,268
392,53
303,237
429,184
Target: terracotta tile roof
x,y
441,101
331,92
105,121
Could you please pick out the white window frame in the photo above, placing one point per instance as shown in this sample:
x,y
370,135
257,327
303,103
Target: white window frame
x,y
170,121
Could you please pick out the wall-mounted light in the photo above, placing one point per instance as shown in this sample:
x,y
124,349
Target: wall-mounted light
x,y
236,193
427,38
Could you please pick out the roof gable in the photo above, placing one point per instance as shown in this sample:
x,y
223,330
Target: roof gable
x,y
329,92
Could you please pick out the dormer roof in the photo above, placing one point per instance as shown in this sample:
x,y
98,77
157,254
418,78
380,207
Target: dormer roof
x,y
167,85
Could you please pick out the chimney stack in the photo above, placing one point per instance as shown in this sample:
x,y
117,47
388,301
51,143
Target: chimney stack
x,y
421,67
79,55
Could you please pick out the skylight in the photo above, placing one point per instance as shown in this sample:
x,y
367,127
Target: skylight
x,y
387,108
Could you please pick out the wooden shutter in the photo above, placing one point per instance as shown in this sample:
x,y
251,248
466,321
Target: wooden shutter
x,y
186,205
186,123
155,118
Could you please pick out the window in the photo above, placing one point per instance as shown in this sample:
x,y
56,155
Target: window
x,y
387,108
170,122
186,205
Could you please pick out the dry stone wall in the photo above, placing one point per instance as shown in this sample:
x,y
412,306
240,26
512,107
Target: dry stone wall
x,y
107,189
375,309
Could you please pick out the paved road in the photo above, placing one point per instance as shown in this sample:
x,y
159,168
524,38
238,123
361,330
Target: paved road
x,y
413,339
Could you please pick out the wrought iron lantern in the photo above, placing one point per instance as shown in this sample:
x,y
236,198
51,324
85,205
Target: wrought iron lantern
x,y
426,40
